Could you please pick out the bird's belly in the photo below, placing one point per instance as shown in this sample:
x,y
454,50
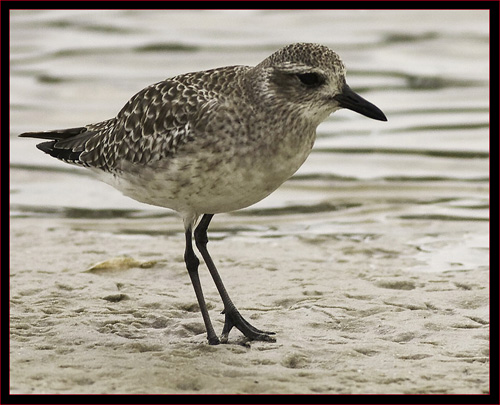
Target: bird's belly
x,y
204,185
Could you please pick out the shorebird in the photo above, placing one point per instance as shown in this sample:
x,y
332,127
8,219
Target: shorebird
x,y
214,141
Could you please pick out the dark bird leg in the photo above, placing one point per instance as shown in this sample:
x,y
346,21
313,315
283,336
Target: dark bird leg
x,y
233,317
192,264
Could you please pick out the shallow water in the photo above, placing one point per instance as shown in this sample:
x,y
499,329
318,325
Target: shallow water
x,y
422,178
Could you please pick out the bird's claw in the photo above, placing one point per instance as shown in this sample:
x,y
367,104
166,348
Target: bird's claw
x,y
234,319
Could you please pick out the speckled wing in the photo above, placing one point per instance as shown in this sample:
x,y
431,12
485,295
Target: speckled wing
x,y
150,127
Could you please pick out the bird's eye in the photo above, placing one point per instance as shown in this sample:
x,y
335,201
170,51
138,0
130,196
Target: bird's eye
x,y
311,79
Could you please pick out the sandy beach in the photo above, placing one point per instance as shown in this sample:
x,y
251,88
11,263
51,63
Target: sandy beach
x,y
351,314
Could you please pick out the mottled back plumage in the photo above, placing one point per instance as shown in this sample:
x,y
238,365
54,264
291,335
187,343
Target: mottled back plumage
x,y
150,127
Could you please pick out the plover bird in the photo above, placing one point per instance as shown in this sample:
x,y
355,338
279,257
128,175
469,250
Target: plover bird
x,y
214,141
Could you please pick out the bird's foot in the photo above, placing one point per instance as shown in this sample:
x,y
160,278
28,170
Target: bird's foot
x,y
234,319
213,340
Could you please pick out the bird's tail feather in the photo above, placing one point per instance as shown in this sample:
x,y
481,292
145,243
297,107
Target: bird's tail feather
x,y
55,135
63,144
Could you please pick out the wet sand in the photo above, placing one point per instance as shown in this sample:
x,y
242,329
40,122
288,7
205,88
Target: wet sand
x,y
371,312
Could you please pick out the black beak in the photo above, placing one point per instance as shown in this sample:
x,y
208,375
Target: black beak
x,y
352,101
